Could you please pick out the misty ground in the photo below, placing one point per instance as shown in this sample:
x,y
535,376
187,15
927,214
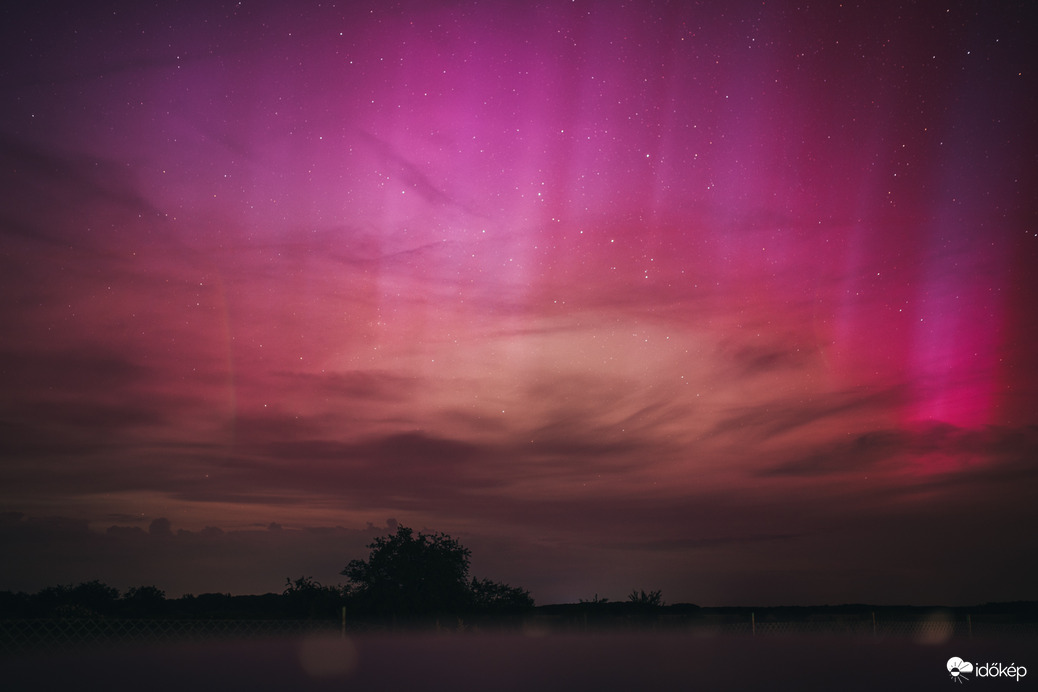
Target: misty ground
x,y
529,660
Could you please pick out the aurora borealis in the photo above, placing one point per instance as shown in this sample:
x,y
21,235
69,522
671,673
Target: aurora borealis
x,y
732,300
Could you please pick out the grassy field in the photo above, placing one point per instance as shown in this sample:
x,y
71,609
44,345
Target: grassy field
x,y
533,659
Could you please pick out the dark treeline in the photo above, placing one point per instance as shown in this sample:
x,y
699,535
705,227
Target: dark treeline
x,y
305,599
407,578
412,578
302,599
98,600
603,613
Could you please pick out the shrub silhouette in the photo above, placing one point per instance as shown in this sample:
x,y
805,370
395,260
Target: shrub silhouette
x,y
89,599
144,601
653,599
492,597
412,575
306,598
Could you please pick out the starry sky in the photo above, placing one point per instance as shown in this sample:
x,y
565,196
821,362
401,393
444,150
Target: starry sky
x,y
733,300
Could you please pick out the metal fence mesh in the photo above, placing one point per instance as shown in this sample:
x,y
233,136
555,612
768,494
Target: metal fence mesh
x,y
63,635
24,636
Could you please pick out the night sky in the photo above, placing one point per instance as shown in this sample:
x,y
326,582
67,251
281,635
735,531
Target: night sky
x,y
733,300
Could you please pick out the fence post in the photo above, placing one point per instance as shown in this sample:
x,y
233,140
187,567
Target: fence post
x,y
874,623
344,622
753,623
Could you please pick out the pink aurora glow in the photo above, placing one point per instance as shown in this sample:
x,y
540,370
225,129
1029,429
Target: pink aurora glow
x,y
657,295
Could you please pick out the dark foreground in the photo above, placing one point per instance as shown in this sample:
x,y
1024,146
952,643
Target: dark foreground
x,y
530,661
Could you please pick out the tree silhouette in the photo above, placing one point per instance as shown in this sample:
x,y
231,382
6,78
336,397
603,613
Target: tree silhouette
x,y
145,594
144,601
305,597
409,575
490,596
88,599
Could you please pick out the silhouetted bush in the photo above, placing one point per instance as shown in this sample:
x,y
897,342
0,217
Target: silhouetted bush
x,y
653,599
306,598
16,605
493,598
144,602
90,599
421,576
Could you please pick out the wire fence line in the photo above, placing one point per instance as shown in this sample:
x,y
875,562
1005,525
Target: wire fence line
x,y
925,630
29,636
43,635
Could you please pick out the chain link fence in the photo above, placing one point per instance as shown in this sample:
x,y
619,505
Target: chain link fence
x,y
63,635
52,635
921,630
935,628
